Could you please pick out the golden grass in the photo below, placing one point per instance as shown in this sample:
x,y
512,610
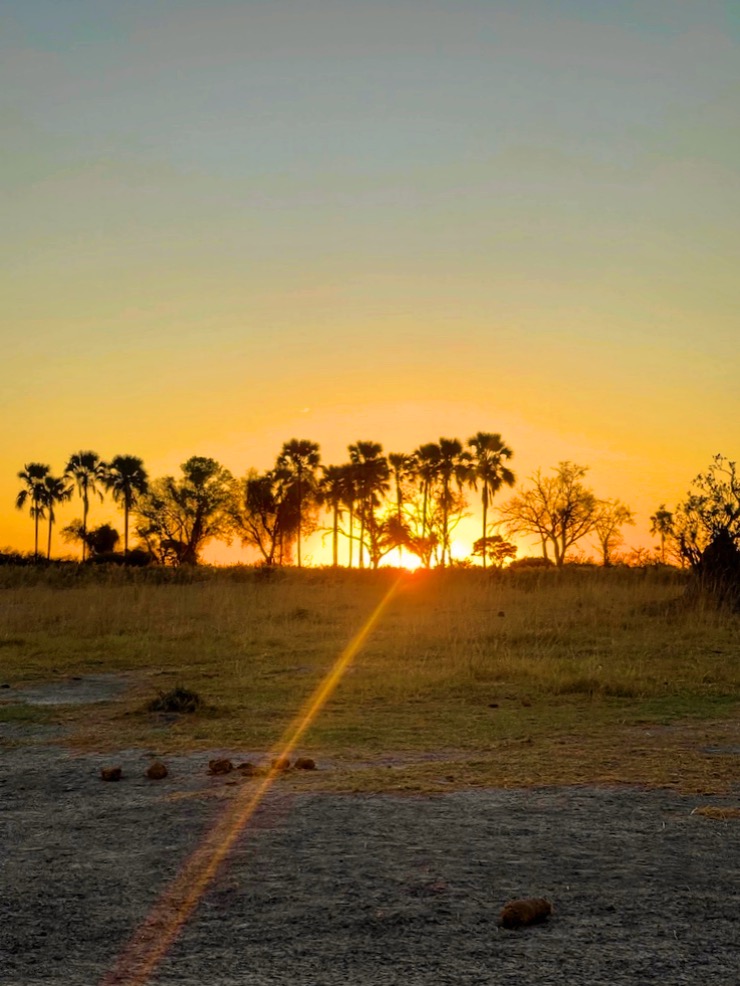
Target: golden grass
x,y
538,677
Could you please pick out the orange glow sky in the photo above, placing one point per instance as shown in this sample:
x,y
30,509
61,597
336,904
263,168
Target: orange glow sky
x,y
234,224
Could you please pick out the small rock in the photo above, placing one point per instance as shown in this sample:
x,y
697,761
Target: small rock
x,y
156,771
281,763
305,763
520,913
221,766
247,768
111,773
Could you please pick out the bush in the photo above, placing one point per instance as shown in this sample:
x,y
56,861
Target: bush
x,y
531,561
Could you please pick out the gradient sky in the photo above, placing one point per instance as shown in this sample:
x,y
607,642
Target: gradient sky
x,y
230,224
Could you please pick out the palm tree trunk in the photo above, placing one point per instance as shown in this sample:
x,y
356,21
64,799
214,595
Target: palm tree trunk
x,y
485,516
300,516
335,536
351,531
36,536
84,524
48,544
125,529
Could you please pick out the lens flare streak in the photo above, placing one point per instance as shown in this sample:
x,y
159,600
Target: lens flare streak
x,y
154,937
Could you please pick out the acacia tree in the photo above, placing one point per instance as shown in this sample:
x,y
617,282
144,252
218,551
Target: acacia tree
x,y
489,455
178,517
661,524
87,470
558,509
56,490
126,479
33,476
300,459
611,516
496,548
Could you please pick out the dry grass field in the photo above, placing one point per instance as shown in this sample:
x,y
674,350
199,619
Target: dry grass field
x,y
468,678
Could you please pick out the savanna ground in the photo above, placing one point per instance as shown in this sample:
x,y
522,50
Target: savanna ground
x,y
605,706
535,678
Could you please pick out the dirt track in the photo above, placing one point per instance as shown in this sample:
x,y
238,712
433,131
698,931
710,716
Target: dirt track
x,y
357,889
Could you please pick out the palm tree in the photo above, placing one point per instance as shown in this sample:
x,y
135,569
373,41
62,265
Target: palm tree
x,y
349,500
452,464
86,469
371,480
126,479
33,475
401,466
300,458
489,454
661,523
424,464
56,491
331,492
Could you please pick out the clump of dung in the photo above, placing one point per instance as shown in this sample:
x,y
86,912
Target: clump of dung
x,y
521,913
220,766
179,699
305,763
156,771
111,773
281,763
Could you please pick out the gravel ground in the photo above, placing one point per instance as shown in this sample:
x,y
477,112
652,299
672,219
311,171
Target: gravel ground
x,y
357,889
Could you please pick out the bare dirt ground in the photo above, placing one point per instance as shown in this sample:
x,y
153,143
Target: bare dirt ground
x,y
360,889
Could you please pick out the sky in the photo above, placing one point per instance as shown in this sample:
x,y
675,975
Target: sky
x,y
231,224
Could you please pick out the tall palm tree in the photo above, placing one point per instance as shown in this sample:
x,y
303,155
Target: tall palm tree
x,y
425,462
33,475
87,470
489,456
453,464
56,490
126,479
661,523
401,466
349,500
331,491
371,478
300,458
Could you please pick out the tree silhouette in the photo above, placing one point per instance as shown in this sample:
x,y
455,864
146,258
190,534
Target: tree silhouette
x,y
33,476
424,466
452,464
56,490
370,475
264,513
300,458
611,516
349,500
496,548
559,509
711,510
661,524
87,470
126,479
177,518
331,492
489,454
402,467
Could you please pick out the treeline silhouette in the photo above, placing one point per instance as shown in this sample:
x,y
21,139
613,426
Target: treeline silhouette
x,y
371,505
